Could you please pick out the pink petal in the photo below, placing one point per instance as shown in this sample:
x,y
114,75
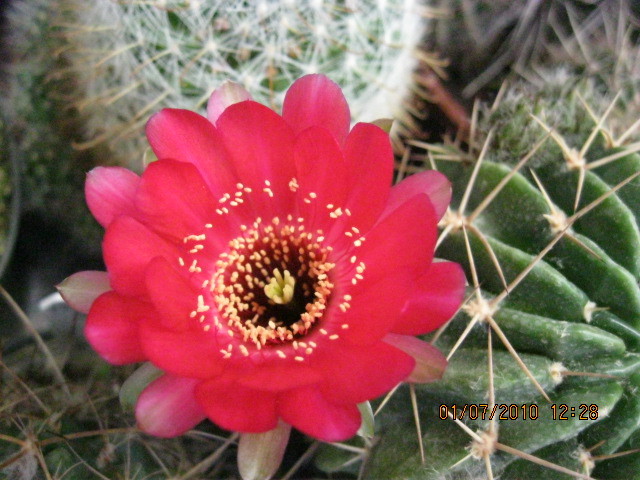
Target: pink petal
x,y
113,325
430,362
175,201
394,253
81,289
321,174
373,308
314,100
227,94
128,247
369,163
437,296
238,408
260,454
357,374
191,353
260,144
173,309
431,182
110,192
310,412
188,137
278,375
402,241
168,407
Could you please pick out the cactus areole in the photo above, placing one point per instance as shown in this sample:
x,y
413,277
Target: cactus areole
x,y
266,267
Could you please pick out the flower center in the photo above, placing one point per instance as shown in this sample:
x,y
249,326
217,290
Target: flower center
x,y
272,285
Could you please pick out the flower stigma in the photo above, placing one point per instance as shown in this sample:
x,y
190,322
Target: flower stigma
x,y
280,288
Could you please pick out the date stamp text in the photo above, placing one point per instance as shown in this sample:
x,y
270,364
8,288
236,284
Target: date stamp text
x,y
525,411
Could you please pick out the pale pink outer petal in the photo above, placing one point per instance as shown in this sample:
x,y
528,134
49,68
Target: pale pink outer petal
x,y
133,386
314,100
81,289
168,407
226,94
433,183
110,192
430,362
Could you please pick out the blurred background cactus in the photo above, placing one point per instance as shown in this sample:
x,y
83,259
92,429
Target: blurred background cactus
x,y
131,58
9,200
39,124
532,109
84,77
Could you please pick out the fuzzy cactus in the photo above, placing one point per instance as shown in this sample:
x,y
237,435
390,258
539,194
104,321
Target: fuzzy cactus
x,y
83,78
132,58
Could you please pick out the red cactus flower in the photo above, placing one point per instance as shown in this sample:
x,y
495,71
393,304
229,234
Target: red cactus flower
x,y
267,267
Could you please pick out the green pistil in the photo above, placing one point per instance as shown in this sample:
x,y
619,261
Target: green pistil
x,y
280,288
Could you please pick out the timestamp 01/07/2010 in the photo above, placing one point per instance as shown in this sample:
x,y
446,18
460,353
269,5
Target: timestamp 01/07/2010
x,y
484,411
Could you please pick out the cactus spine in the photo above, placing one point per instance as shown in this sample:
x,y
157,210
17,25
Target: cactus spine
x,y
545,219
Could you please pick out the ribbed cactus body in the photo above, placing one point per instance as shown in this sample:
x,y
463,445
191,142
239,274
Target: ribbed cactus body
x,y
548,234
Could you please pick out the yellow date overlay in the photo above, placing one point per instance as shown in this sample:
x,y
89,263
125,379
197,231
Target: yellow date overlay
x,y
513,411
